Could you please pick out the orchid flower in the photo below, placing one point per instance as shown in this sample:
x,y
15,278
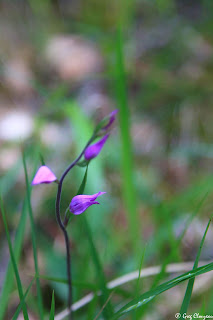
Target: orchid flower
x,y
44,175
81,202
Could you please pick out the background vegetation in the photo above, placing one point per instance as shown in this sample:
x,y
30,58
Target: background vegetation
x,y
64,65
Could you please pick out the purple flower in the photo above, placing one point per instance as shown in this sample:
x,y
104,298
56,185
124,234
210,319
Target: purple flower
x,y
94,149
44,175
111,119
81,202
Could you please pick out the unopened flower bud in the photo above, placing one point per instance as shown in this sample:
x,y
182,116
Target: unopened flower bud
x,y
94,149
106,123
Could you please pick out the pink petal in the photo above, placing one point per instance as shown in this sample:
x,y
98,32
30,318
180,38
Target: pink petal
x,y
44,175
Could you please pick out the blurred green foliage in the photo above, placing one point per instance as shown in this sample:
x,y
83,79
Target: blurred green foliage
x,y
156,67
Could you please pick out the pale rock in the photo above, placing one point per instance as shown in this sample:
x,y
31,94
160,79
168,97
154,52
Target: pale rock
x,y
16,126
18,76
54,135
73,58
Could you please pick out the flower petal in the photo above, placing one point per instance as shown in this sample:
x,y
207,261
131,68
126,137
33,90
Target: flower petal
x,y
94,149
44,175
85,198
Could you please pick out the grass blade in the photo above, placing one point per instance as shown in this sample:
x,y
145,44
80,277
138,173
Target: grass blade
x,y
52,310
18,241
83,183
104,306
13,260
16,314
151,294
33,235
74,283
188,293
172,255
8,282
136,316
108,310
178,241
129,192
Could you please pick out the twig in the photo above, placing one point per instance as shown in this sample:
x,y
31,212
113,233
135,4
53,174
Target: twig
x,y
110,296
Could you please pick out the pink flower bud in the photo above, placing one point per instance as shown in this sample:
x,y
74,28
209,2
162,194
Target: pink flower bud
x,y
44,175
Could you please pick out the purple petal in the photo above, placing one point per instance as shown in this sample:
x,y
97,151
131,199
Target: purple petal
x,y
111,119
81,202
44,175
96,195
94,149
85,198
81,207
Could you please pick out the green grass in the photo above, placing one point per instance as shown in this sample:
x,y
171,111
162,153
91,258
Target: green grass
x,y
150,295
14,264
107,310
52,310
22,302
172,256
188,293
33,236
18,244
127,162
137,288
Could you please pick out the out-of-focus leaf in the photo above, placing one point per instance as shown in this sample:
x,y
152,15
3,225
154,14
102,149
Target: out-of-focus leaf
x,y
33,235
149,295
188,293
14,264
52,310
16,314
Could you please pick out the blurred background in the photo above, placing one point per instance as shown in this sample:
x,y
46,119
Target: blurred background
x,y
64,65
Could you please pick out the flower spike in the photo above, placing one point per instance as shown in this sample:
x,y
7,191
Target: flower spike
x,y
81,202
94,149
44,175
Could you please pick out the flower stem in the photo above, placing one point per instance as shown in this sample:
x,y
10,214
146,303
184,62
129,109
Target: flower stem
x,y
63,227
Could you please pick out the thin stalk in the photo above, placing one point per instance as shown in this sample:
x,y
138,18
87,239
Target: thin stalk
x,y
127,161
63,227
33,236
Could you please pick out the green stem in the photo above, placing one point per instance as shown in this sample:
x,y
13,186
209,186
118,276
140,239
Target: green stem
x,y
129,192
